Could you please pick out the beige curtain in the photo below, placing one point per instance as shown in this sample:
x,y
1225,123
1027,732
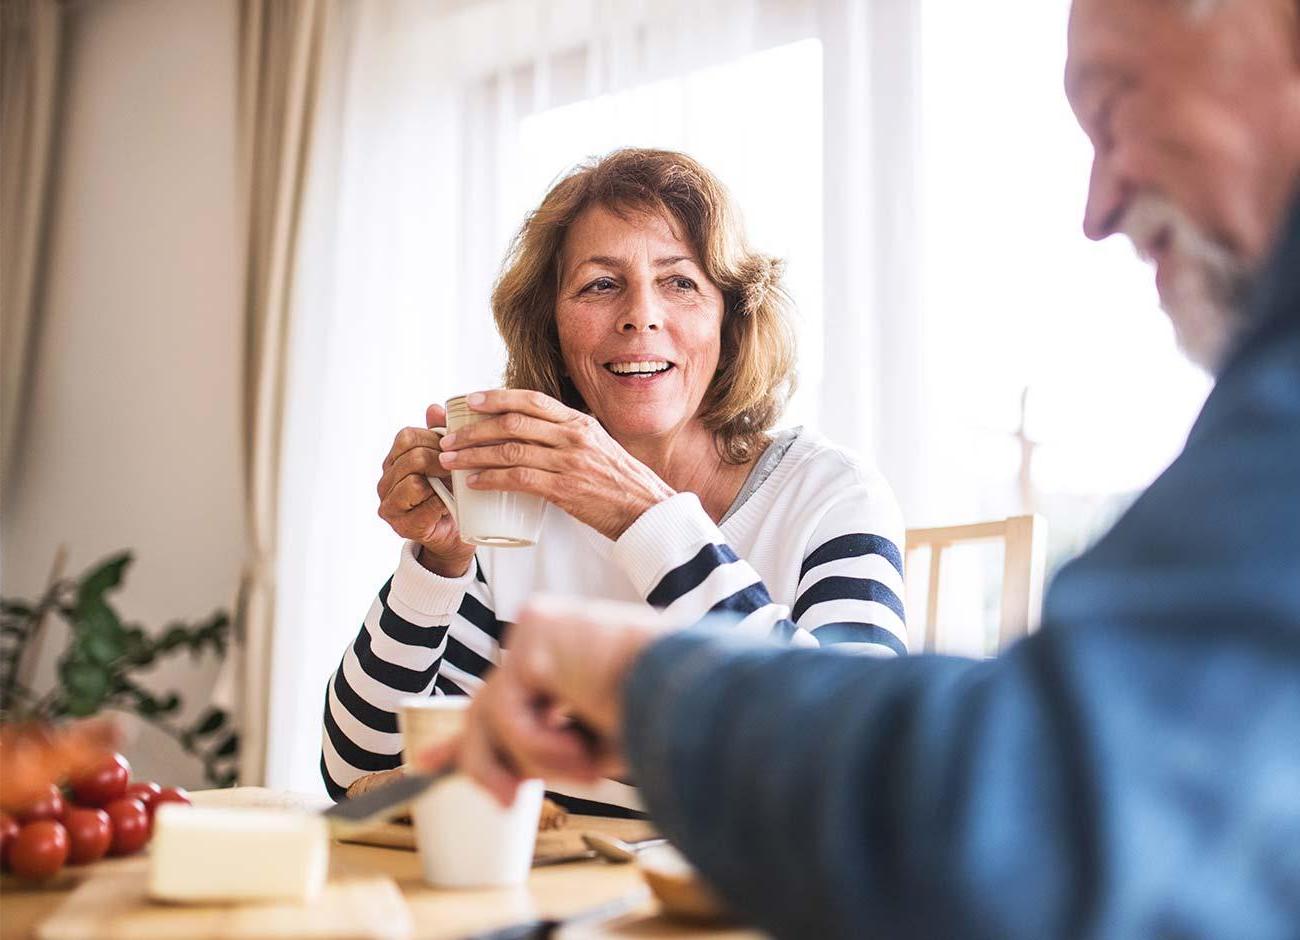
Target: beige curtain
x,y
280,48
30,53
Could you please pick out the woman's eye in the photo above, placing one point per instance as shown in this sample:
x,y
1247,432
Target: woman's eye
x,y
600,285
683,283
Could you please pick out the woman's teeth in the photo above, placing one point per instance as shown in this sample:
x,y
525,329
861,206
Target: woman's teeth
x,y
638,368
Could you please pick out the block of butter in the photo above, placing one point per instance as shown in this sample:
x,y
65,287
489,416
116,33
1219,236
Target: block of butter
x,y
208,854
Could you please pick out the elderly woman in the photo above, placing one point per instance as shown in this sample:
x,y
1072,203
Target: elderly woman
x,y
650,354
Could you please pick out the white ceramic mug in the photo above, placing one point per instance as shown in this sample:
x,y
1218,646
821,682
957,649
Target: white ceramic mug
x,y
465,838
492,518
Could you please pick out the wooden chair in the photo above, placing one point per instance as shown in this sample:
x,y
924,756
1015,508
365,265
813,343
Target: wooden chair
x,y
1023,570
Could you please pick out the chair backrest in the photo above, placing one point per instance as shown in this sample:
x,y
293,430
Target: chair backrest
x,y
1024,565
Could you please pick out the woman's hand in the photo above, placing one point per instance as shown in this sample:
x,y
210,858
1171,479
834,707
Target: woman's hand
x,y
534,444
410,506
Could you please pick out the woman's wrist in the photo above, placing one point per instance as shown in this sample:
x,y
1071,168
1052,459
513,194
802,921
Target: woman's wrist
x,y
453,567
638,503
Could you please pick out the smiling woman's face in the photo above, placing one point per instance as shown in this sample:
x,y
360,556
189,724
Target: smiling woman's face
x,y
640,325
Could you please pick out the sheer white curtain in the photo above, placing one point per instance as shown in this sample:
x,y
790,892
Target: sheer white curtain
x,y
422,175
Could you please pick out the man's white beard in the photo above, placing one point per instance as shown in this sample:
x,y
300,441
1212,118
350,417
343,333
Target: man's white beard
x,y
1206,299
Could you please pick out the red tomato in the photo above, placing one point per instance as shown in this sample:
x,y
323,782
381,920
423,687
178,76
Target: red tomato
x,y
89,833
130,825
8,832
146,791
104,784
172,795
49,806
39,850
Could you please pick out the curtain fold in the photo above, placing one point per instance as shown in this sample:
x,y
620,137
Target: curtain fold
x,y
280,60
31,43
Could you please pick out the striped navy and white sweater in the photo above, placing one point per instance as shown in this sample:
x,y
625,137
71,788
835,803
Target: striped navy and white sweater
x,y
808,553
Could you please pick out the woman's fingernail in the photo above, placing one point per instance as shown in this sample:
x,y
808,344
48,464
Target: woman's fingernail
x,y
445,459
472,479
477,398
449,440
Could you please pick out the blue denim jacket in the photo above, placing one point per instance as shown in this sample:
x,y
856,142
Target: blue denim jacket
x,y
1131,770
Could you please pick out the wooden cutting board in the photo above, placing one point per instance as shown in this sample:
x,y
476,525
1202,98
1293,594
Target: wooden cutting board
x,y
115,906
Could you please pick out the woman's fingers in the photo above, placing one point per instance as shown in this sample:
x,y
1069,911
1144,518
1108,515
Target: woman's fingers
x,y
435,416
420,460
409,439
507,454
414,492
536,404
515,479
511,426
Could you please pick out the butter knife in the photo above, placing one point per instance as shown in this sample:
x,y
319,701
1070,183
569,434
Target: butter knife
x,y
359,813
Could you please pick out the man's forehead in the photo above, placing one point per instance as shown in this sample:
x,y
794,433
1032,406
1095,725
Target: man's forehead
x,y
1108,37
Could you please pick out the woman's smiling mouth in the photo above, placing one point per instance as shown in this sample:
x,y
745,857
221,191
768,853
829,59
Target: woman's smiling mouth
x,y
639,370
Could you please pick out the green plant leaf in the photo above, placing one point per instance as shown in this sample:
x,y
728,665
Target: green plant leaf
x,y
104,646
213,719
175,636
138,650
77,706
84,680
228,747
103,578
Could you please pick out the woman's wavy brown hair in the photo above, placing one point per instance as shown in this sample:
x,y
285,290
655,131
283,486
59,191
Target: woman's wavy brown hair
x,y
756,364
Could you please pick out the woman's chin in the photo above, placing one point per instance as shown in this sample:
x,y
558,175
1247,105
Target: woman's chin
x,y
629,426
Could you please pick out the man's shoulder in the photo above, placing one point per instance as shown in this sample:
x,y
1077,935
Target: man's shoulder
x,y
1221,526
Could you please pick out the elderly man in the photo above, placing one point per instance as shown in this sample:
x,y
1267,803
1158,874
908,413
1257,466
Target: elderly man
x,y
1133,769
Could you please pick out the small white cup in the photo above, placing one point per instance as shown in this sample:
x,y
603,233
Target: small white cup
x,y
465,838
491,518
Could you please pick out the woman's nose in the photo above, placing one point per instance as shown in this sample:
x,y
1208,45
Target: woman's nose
x,y
642,315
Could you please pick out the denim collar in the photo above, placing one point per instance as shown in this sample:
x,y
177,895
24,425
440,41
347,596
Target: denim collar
x,y
1275,302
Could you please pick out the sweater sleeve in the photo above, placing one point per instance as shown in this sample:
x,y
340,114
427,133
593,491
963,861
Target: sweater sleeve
x,y
850,585
424,635
850,592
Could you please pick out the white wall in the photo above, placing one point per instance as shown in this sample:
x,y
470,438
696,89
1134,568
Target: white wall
x,y
133,438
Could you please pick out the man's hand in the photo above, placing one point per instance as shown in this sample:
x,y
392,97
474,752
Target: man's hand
x,y
554,707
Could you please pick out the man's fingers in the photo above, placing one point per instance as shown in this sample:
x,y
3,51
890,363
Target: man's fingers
x,y
438,756
480,760
521,727
435,416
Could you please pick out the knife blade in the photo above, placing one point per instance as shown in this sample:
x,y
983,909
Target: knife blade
x,y
355,815
546,928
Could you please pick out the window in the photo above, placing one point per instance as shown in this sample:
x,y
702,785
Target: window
x,y
756,122
1019,306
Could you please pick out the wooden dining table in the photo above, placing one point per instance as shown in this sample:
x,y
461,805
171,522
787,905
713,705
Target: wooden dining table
x,y
552,891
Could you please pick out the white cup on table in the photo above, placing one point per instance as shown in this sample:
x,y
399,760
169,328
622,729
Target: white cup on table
x,y
464,837
491,518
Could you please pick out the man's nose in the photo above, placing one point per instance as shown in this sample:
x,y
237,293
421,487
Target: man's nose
x,y
1104,211
642,313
